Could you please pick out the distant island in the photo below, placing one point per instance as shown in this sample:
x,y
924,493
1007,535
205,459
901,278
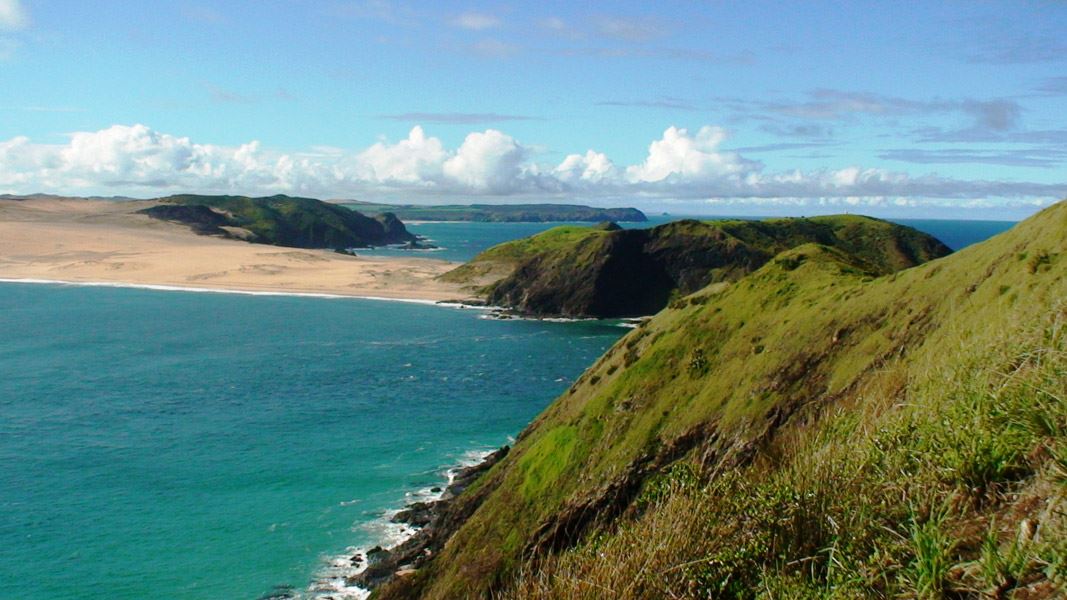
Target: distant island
x,y
501,213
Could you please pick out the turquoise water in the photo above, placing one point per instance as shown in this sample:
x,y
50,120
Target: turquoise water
x,y
462,241
214,446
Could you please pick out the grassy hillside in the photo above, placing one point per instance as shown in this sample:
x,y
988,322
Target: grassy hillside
x,y
574,271
282,221
806,431
501,213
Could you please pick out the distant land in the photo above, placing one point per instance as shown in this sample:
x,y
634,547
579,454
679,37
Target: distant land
x,y
500,213
277,220
282,221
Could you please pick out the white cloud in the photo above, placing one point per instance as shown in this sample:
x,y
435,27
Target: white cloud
x,y
476,21
13,15
591,167
416,160
690,157
680,167
491,161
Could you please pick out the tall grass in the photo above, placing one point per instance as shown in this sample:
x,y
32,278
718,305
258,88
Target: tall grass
x,y
929,483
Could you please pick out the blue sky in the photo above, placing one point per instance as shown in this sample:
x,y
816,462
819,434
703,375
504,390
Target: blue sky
x,y
952,109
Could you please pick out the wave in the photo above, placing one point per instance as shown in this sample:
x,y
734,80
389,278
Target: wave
x,y
331,581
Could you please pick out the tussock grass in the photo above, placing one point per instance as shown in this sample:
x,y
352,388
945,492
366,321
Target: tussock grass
x,y
952,486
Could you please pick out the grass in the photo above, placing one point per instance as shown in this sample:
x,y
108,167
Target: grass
x,y
864,451
866,508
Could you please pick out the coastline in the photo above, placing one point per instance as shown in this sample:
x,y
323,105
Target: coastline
x,y
407,535
457,303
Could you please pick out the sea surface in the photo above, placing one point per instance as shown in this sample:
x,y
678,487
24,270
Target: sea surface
x,y
167,444
213,446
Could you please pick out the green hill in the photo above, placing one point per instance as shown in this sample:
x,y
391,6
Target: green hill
x,y
501,213
281,221
610,272
805,431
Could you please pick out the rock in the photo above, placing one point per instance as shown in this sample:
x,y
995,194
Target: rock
x,y
417,514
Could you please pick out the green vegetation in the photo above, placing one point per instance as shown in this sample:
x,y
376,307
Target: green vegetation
x,y
282,221
806,431
500,213
607,272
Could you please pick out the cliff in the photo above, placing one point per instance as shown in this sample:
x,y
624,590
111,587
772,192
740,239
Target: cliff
x,y
801,431
282,221
611,272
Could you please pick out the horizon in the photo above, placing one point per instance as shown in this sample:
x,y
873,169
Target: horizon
x,y
951,111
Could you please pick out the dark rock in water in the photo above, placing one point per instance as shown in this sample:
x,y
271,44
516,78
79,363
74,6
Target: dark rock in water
x,y
418,514
435,490
442,519
377,554
417,245
280,592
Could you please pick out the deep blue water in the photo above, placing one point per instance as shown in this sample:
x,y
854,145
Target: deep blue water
x,y
190,445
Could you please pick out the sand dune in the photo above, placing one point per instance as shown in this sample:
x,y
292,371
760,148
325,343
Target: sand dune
x,y
82,241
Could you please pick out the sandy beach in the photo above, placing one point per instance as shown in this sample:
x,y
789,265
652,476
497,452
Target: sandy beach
x,y
89,241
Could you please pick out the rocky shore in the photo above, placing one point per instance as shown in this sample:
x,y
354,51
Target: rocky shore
x,y
435,522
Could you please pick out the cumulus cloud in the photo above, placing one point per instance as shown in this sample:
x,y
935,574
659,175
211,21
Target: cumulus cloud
x,y
681,165
13,15
682,156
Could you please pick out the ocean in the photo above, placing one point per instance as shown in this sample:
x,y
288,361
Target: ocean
x,y
163,444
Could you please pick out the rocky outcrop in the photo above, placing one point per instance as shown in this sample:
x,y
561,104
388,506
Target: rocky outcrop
x,y
437,521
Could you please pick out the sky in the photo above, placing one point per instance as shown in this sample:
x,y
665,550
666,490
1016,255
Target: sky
x,y
926,109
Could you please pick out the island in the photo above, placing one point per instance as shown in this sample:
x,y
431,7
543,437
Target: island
x,y
500,213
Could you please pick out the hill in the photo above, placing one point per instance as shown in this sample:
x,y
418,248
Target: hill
x,y
805,431
611,272
282,221
501,213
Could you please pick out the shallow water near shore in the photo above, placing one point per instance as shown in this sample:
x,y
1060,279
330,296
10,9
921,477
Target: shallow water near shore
x,y
182,445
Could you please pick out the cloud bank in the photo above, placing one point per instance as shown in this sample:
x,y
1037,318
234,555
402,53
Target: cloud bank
x,y
681,165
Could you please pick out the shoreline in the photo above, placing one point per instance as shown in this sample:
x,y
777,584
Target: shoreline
x,y
462,304
354,573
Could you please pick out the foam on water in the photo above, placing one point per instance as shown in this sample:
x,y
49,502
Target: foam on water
x,y
331,581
